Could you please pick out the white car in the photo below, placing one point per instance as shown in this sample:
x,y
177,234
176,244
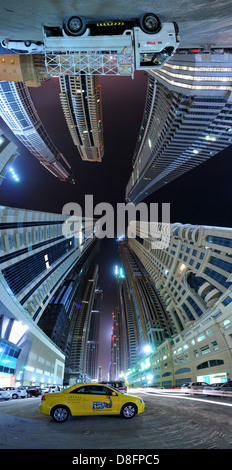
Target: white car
x,y
4,395
54,388
16,392
23,47
193,387
219,389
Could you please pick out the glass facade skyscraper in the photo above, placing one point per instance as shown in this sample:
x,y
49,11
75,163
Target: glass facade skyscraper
x,y
35,260
187,120
8,153
19,113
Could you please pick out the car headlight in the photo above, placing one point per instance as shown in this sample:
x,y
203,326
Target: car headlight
x,y
141,400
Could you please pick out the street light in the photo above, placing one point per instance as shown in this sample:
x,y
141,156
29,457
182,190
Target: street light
x,y
14,176
147,349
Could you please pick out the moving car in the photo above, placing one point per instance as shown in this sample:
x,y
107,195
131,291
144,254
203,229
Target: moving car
x,y
4,395
219,389
23,47
16,392
193,387
90,399
109,47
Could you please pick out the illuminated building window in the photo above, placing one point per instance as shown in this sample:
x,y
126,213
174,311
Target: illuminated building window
x,y
8,357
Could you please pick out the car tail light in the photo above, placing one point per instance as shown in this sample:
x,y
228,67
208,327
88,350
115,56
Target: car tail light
x,y
42,398
36,390
18,390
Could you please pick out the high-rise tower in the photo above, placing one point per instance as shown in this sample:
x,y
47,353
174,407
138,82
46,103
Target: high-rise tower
x,y
187,120
81,102
19,113
193,276
35,259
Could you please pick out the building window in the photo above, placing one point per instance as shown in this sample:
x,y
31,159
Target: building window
x,y
221,264
200,338
195,306
189,313
227,301
220,240
218,277
215,345
212,363
205,350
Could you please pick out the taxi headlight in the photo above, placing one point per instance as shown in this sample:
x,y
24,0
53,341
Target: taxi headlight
x,y
141,400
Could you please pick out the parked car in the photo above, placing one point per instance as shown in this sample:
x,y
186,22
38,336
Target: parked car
x,y
51,389
23,47
118,384
54,388
4,395
193,387
16,392
34,391
219,389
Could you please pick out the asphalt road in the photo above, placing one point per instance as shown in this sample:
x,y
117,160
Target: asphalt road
x,y
170,421
200,21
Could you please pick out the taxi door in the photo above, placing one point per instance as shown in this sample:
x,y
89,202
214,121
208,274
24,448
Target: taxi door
x,y
75,401
100,400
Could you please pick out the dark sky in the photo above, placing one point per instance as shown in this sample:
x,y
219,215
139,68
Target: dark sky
x,y
202,196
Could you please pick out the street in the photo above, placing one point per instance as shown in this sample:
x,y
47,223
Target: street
x,y
171,421
205,22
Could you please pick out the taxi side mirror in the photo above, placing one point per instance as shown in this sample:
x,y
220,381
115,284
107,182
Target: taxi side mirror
x,y
114,394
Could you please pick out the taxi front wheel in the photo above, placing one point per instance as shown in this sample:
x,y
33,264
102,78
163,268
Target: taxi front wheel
x,y
129,410
60,413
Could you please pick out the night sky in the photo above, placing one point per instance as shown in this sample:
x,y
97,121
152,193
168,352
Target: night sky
x,y
202,196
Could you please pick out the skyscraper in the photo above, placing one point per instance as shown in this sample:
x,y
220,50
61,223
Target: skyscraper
x,y
8,153
117,358
19,113
140,321
93,336
78,367
35,259
81,102
187,119
153,322
193,277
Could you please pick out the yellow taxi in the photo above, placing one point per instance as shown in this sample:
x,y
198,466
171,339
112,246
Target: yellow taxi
x,y
90,399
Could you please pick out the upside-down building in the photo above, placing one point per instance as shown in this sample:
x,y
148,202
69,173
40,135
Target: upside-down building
x,y
81,102
19,113
187,120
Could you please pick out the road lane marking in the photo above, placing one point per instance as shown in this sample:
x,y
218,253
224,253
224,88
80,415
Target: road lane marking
x,y
186,398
